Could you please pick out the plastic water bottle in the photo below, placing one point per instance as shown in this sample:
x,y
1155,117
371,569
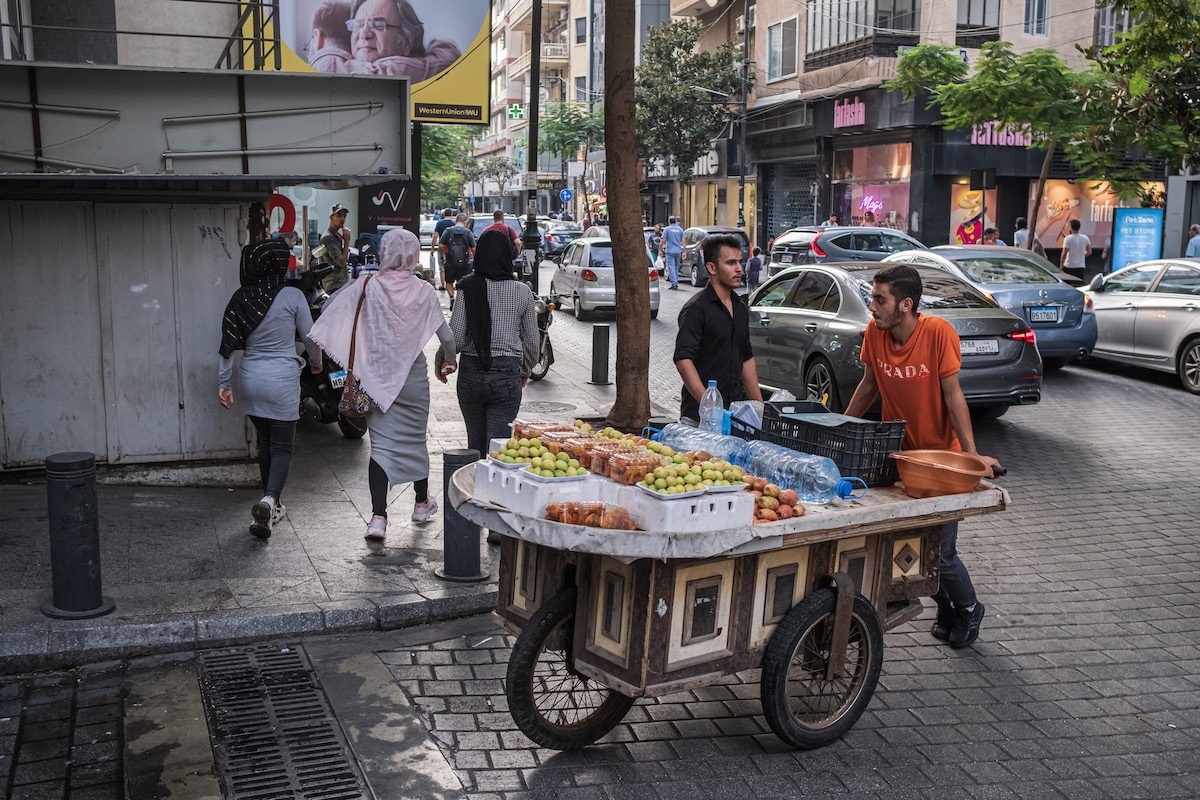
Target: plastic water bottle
x,y
712,409
685,438
815,479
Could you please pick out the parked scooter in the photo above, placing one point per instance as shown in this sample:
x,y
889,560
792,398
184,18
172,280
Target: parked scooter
x,y
323,391
545,318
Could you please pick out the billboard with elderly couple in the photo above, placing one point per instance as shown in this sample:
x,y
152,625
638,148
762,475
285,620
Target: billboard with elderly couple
x,y
440,46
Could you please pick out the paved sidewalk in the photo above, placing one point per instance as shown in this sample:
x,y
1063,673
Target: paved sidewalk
x,y
184,571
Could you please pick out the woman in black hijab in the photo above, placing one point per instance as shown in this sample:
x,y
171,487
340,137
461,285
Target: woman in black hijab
x,y
496,334
262,320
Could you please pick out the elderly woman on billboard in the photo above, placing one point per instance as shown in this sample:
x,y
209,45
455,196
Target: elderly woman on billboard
x,y
386,38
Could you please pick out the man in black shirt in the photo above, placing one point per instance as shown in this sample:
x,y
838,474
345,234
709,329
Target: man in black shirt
x,y
714,333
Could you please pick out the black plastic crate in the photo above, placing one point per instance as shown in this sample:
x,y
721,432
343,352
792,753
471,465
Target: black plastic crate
x,y
860,449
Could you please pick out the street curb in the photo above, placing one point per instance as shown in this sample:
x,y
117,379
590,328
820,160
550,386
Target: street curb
x,y
57,644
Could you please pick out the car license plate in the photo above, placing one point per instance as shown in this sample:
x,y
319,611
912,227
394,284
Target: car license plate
x,y
1043,314
337,379
978,347
785,258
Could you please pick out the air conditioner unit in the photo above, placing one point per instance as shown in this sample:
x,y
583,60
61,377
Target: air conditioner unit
x,y
740,23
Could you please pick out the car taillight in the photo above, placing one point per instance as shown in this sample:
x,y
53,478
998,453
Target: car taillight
x,y
815,248
1027,336
653,275
588,275
1088,305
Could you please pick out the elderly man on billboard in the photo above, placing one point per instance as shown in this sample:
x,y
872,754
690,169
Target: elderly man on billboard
x,y
386,38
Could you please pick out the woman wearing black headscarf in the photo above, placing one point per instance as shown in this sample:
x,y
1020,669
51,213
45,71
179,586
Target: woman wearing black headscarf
x,y
496,335
262,320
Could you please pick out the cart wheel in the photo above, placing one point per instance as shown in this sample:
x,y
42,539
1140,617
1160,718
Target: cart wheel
x,y
804,708
551,703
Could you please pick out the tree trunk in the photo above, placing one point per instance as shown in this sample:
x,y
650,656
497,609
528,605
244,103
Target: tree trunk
x,y
1041,190
632,408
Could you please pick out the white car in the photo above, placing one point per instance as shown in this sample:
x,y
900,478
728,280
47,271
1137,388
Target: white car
x,y
585,278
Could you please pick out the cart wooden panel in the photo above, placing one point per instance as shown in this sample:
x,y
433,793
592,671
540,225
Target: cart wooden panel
x,y
649,628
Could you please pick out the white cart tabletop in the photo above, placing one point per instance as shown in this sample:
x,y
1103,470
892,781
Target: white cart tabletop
x,y
883,509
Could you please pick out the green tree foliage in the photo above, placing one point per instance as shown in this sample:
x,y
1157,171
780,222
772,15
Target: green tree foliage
x,y
498,169
1151,88
676,117
445,149
1035,92
564,128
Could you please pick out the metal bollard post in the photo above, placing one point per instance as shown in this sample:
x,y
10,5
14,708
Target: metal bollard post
x,y
74,538
600,335
460,536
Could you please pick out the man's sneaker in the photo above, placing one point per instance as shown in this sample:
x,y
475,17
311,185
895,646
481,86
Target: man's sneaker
x,y
422,512
943,623
263,511
966,626
279,513
376,530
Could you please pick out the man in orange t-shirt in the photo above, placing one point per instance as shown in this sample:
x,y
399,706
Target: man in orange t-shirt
x,y
912,362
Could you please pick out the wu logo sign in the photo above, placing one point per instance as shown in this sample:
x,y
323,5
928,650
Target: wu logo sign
x,y
386,197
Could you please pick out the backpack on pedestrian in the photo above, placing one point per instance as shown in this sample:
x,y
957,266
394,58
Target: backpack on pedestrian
x,y
458,256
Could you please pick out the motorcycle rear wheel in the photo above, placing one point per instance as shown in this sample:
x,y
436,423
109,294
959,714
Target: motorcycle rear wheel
x,y
545,358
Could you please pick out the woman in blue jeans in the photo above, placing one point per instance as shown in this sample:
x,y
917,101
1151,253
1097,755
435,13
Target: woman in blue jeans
x,y
496,335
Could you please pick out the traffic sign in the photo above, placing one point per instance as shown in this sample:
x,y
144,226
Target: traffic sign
x,y
565,195
516,111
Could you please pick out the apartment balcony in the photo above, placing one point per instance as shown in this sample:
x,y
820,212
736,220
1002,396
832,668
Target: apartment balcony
x,y
520,16
554,55
694,8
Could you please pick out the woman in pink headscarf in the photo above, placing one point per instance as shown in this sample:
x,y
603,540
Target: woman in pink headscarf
x,y
400,314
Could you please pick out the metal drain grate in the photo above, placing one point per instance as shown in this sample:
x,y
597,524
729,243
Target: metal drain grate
x,y
545,407
274,735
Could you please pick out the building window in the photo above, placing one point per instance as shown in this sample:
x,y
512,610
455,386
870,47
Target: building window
x,y
978,22
1035,17
844,30
1110,22
581,30
875,179
781,49
581,94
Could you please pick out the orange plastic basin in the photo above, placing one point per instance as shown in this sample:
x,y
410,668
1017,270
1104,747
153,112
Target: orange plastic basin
x,y
929,473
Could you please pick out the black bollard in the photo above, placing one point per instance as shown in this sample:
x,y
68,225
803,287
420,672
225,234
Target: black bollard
x,y
600,355
74,538
460,536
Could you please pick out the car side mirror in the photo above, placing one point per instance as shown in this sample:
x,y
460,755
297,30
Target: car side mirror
x,y
1097,284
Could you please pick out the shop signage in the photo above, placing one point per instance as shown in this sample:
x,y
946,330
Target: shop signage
x,y
996,134
1137,236
849,112
871,203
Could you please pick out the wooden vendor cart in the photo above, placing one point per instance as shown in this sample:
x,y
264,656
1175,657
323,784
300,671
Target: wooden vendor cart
x,y
604,617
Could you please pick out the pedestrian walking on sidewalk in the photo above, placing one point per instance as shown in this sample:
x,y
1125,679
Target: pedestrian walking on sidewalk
x,y
496,333
400,313
262,320
672,248
912,361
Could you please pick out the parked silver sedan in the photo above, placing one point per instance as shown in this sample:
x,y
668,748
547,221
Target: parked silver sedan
x,y
585,278
806,327
1148,314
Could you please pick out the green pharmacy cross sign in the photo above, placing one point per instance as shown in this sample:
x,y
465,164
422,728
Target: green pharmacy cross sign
x,y
516,111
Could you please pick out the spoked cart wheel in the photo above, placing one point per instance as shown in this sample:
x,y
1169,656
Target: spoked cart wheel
x,y
552,703
804,703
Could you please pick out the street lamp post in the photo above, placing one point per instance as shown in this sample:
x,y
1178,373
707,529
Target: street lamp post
x,y
742,116
530,239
